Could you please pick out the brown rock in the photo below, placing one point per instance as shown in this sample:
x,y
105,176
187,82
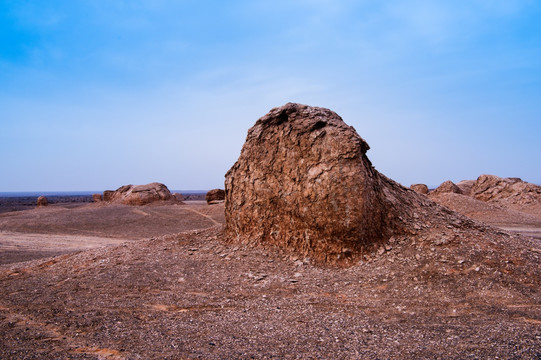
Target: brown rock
x,y
139,194
420,188
97,197
447,187
179,197
215,196
508,190
466,186
108,195
42,201
303,183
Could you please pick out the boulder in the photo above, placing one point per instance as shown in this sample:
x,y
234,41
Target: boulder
x,y
139,194
215,196
303,183
447,187
42,201
420,188
97,197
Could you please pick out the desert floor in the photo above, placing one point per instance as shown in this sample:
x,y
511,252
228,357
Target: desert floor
x,y
159,282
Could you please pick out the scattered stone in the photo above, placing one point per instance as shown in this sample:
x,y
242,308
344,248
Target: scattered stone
x,y
42,201
420,188
215,196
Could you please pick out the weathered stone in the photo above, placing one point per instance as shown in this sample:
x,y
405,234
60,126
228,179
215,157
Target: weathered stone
x,y
215,195
139,194
420,188
97,197
179,197
42,201
510,190
303,182
466,186
108,195
447,187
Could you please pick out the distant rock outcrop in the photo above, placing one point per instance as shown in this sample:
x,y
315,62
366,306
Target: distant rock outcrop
x,y
179,197
42,201
466,186
139,194
509,190
303,183
215,195
97,197
447,187
420,188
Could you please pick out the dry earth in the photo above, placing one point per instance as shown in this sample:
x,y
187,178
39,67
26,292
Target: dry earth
x,y
174,290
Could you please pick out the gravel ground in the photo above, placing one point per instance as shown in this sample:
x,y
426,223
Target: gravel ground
x,y
463,291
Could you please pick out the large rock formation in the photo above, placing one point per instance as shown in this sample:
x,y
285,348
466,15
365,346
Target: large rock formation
x,y
215,196
447,187
508,190
303,183
139,194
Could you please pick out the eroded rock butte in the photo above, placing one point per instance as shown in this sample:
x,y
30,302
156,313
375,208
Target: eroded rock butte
x,y
303,182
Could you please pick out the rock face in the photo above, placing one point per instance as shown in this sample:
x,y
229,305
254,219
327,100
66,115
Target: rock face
x,y
139,194
510,190
42,201
303,182
420,188
447,187
97,197
214,196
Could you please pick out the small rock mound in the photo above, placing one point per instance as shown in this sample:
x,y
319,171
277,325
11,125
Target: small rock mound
x,y
97,198
42,201
511,190
215,196
420,188
139,194
447,187
303,183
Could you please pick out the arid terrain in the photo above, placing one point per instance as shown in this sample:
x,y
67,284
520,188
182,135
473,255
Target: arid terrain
x,y
308,253
159,282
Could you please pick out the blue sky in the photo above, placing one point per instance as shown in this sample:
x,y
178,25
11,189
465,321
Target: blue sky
x,y
96,94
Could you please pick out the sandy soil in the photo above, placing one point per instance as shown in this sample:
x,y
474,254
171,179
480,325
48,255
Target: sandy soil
x,y
60,229
173,289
